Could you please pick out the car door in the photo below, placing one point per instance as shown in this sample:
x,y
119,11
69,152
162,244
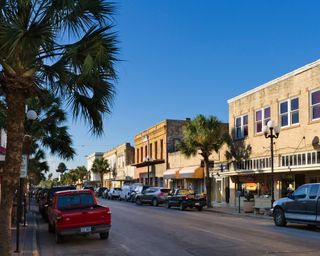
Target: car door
x,y
147,194
312,201
296,207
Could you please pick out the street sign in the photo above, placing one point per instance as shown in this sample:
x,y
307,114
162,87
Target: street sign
x,y
24,167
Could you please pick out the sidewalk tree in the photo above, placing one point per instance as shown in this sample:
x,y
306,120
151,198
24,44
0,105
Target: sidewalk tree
x,y
203,136
238,150
101,167
65,47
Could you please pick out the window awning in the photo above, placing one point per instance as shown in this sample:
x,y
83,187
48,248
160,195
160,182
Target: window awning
x,y
171,173
191,172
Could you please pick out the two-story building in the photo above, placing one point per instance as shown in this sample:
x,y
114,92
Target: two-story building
x,y
120,161
292,102
94,177
152,147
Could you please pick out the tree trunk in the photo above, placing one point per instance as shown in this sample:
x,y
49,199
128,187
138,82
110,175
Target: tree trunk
x,y
101,179
11,170
208,181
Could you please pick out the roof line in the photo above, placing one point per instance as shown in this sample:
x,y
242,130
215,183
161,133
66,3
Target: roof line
x,y
290,74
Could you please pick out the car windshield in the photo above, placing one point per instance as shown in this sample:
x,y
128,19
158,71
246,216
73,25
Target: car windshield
x,y
186,191
75,200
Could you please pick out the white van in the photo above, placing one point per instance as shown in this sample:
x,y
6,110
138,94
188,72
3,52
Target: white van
x,y
125,192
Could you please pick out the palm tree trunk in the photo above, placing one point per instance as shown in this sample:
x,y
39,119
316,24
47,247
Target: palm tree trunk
x,y
11,172
208,181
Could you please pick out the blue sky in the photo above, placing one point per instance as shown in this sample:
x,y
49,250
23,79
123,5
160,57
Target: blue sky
x,y
188,57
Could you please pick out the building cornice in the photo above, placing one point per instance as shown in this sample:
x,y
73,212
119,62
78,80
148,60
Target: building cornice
x,y
272,82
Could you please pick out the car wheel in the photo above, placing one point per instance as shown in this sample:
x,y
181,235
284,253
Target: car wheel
x,y
199,208
154,202
181,207
138,201
104,235
278,217
59,238
168,205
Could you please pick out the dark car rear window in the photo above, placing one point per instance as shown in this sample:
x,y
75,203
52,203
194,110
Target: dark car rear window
x,y
73,201
165,190
54,190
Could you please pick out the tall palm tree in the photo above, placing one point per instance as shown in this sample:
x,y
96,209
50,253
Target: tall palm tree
x,y
203,136
100,166
63,46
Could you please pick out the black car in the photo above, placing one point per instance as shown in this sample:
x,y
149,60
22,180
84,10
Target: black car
x,y
99,191
49,196
186,198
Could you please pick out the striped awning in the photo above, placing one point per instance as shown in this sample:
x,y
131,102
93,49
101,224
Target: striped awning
x,y
191,172
171,173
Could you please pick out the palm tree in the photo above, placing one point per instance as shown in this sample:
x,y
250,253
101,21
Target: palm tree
x,y
237,150
35,57
203,136
100,166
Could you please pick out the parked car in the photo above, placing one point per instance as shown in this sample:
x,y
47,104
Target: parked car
x,y
49,197
137,190
302,206
89,187
125,192
114,193
105,193
67,211
184,198
99,191
153,196
42,198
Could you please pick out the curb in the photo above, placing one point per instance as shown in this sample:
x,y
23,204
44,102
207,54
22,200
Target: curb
x,y
239,214
35,251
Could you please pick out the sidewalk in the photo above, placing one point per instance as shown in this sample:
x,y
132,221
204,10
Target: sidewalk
x,y
235,211
27,235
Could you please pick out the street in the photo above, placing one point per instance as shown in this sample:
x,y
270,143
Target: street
x,y
146,230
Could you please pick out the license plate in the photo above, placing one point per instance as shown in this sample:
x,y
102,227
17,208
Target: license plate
x,y
197,203
85,229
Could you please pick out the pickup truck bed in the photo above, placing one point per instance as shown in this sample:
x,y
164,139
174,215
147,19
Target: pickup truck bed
x,y
68,217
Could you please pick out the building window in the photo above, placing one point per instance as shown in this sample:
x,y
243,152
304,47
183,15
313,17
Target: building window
x,y
145,151
156,150
141,154
241,125
289,112
315,105
150,150
262,118
137,155
161,149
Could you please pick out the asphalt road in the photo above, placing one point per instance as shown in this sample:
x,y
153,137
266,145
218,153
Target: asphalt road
x,y
147,230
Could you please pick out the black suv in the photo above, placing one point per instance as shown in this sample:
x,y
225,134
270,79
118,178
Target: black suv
x,y
302,206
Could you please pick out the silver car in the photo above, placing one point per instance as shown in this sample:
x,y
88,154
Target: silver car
x,y
153,196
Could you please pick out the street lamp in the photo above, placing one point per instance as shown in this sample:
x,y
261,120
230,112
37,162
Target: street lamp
x,y
271,131
148,159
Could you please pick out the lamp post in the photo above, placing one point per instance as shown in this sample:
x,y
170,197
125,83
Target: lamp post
x,y
148,158
31,115
271,131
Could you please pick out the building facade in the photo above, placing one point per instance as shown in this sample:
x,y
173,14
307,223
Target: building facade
x,y
292,102
152,147
120,161
94,177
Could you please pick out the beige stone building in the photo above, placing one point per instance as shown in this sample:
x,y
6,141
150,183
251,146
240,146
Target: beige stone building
x,y
292,102
120,161
152,147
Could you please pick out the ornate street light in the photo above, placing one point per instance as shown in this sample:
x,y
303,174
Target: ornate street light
x,y
271,131
148,159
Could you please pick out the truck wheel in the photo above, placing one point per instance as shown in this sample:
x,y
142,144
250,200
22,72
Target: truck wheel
x,y
199,208
59,238
181,207
154,202
278,217
50,228
104,235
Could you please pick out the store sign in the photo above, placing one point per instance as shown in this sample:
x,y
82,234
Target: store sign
x,y
24,166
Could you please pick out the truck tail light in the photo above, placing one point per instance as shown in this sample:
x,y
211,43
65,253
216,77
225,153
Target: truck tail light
x,y
186,197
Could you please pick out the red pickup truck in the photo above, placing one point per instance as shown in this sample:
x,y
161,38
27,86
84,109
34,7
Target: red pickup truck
x,y
77,212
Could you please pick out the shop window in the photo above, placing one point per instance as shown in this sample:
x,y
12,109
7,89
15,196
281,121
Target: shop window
x,y
241,124
309,158
261,118
289,112
315,105
318,157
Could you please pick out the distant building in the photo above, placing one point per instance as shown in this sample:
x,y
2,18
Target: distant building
x,y
94,177
120,161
